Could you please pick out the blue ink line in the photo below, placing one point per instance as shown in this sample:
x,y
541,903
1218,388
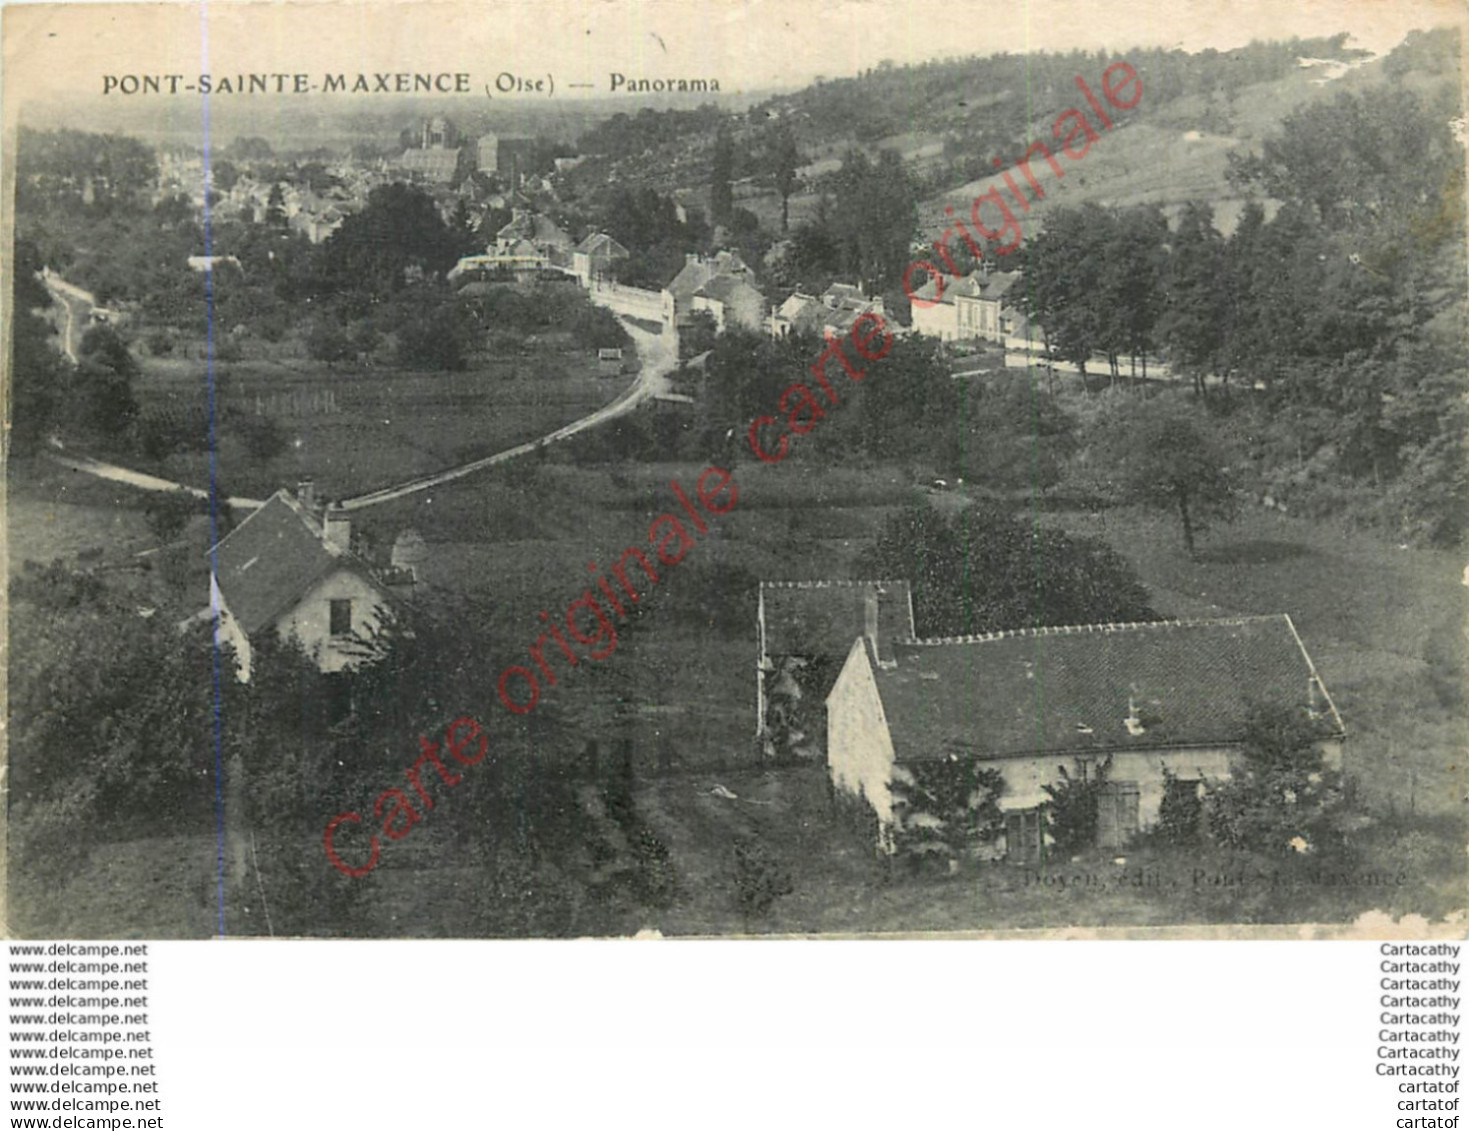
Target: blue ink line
x,y
213,493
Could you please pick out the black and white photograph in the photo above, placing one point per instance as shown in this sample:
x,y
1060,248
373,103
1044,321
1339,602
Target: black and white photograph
x,y
647,470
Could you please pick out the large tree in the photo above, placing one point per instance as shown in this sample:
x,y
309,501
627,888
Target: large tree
x,y
787,160
984,570
874,215
1191,326
104,382
1161,452
399,233
39,374
721,174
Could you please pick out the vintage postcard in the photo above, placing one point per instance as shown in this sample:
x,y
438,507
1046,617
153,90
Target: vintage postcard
x,y
858,468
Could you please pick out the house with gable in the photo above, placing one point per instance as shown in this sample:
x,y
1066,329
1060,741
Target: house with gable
x,y
731,300
693,280
832,315
805,630
528,228
288,570
973,308
594,256
1168,695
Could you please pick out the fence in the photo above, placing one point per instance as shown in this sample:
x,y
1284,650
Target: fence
x,y
292,402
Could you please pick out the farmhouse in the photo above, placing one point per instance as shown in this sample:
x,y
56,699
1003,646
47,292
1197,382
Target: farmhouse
x,y
290,571
1171,695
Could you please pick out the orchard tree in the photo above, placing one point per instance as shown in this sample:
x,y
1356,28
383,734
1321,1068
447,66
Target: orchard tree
x,y
105,380
328,342
1161,454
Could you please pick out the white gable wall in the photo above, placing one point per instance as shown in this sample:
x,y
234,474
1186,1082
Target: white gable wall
x,y
310,620
228,633
936,321
859,749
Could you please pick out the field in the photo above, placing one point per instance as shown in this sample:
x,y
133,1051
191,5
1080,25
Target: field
x,y
377,426
680,685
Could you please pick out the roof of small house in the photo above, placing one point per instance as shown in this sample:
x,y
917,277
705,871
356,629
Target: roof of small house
x,y
1071,690
795,304
839,293
990,287
698,270
822,618
600,243
996,286
721,287
268,562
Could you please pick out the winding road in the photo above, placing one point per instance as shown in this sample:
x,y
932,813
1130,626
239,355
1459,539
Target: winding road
x,y
78,305
658,353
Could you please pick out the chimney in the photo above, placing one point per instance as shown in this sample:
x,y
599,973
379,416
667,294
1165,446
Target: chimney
x,y
691,259
336,528
869,621
306,494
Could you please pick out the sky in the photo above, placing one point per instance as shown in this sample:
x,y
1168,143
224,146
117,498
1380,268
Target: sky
x,y
745,44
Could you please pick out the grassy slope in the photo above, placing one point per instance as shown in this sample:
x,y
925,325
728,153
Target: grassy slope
x,y
1364,609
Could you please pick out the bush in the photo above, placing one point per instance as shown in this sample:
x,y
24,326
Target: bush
x,y
759,879
656,883
168,512
1180,810
1072,812
1281,798
946,808
262,437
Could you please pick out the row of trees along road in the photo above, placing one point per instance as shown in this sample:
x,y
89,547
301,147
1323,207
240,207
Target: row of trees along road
x,y
1343,315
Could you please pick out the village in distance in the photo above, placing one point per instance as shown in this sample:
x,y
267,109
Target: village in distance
x,y
372,573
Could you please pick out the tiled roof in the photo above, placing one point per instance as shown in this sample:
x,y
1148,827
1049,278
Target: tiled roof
x,y
976,285
1069,690
795,304
721,287
600,243
547,231
270,560
839,293
695,274
688,280
822,618
996,286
